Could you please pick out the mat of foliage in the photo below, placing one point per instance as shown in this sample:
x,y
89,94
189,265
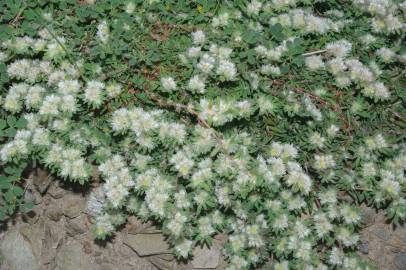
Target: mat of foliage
x,y
266,121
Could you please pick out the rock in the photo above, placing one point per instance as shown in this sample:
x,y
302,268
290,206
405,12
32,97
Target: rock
x,y
135,226
400,261
41,180
72,257
18,252
147,244
78,225
363,247
162,262
54,211
34,234
56,191
367,216
206,258
54,235
73,205
382,233
31,195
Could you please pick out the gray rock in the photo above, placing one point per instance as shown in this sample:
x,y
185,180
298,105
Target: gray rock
x,y
72,257
18,252
382,233
206,258
54,237
135,226
400,261
161,262
31,195
363,247
54,211
56,191
147,244
77,225
41,180
367,216
73,205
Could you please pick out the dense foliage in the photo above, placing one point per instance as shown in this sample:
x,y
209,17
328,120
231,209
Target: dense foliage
x,y
267,121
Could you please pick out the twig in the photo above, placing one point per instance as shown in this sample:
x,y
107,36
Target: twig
x,y
17,16
315,52
63,48
178,107
332,106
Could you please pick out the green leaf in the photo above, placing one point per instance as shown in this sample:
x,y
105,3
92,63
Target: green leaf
x,y
3,124
27,207
277,32
21,123
250,37
18,191
11,120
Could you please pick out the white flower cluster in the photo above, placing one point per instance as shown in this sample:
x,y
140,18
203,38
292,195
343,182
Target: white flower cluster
x,y
384,18
147,124
219,112
103,32
118,180
350,70
307,22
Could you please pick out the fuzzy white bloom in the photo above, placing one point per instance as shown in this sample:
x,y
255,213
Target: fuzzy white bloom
x,y
196,83
173,131
183,248
227,69
50,105
130,7
323,162
68,87
386,54
390,187
346,237
314,62
182,162
3,56
270,70
206,63
299,181
41,137
281,222
114,89
120,120
94,92
104,225
349,214
322,225
317,140
168,84
376,90
221,20
336,257
194,52
265,105
339,48
103,32
254,7
332,130
283,265
176,224
199,37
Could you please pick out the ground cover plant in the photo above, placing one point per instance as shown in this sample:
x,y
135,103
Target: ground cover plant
x,y
266,121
